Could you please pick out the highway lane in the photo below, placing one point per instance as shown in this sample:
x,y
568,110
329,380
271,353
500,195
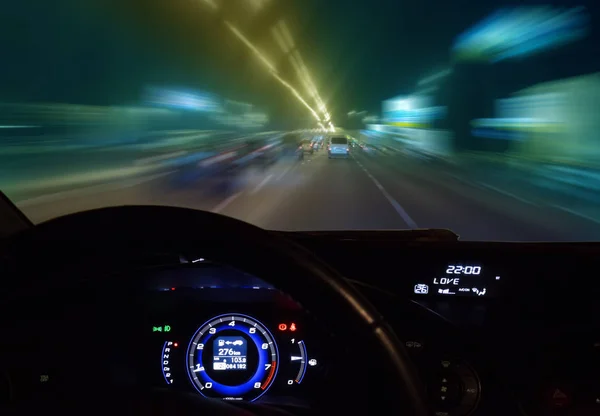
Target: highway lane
x,y
363,192
436,197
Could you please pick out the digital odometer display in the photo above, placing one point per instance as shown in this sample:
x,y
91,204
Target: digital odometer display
x,y
461,279
230,353
232,357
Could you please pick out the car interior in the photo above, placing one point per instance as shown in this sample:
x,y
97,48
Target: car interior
x,y
163,310
300,208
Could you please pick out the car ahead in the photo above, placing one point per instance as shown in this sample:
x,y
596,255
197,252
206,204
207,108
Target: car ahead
x,y
338,147
317,143
307,146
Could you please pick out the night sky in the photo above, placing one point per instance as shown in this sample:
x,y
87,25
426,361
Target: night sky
x,y
359,52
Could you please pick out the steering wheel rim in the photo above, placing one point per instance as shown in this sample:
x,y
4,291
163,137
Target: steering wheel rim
x,y
169,228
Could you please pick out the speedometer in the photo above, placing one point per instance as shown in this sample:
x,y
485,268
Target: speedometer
x,y
232,357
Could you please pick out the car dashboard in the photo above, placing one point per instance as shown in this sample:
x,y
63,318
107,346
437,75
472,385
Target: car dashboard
x,y
224,334
493,328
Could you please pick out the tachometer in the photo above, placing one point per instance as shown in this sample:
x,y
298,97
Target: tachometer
x,y
232,357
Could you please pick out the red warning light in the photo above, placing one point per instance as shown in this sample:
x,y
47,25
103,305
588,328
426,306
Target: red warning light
x,y
282,327
176,344
172,288
292,327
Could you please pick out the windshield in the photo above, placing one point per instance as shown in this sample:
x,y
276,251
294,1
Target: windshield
x,y
477,116
339,140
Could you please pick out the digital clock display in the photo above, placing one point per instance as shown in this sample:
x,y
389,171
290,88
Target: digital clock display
x,y
460,279
459,269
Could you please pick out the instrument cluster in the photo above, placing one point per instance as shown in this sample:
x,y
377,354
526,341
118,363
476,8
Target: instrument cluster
x,y
239,357
227,335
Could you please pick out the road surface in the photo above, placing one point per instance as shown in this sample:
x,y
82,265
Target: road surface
x,y
362,192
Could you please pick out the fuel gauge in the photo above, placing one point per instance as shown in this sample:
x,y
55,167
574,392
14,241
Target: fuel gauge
x,y
301,361
299,355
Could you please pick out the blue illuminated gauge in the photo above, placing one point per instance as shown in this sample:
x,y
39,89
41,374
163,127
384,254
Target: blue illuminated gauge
x,y
232,357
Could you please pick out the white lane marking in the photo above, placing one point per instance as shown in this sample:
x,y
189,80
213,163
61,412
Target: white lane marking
x,y
503,192
103,187
223,204
282,174
578,214
261,184
399,209
482,185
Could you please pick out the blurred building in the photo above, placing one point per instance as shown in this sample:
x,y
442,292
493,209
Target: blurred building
x,y
555,120
59,118
412,120
200,109
512,48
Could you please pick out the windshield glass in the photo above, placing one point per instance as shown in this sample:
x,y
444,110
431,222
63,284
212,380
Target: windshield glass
x,y
339,140
476,116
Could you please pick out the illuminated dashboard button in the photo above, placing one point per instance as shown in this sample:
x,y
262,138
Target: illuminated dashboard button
x,y
414,346
470,390
455,389
446,390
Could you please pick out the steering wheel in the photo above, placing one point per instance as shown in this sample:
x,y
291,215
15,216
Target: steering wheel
x,y
286,265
